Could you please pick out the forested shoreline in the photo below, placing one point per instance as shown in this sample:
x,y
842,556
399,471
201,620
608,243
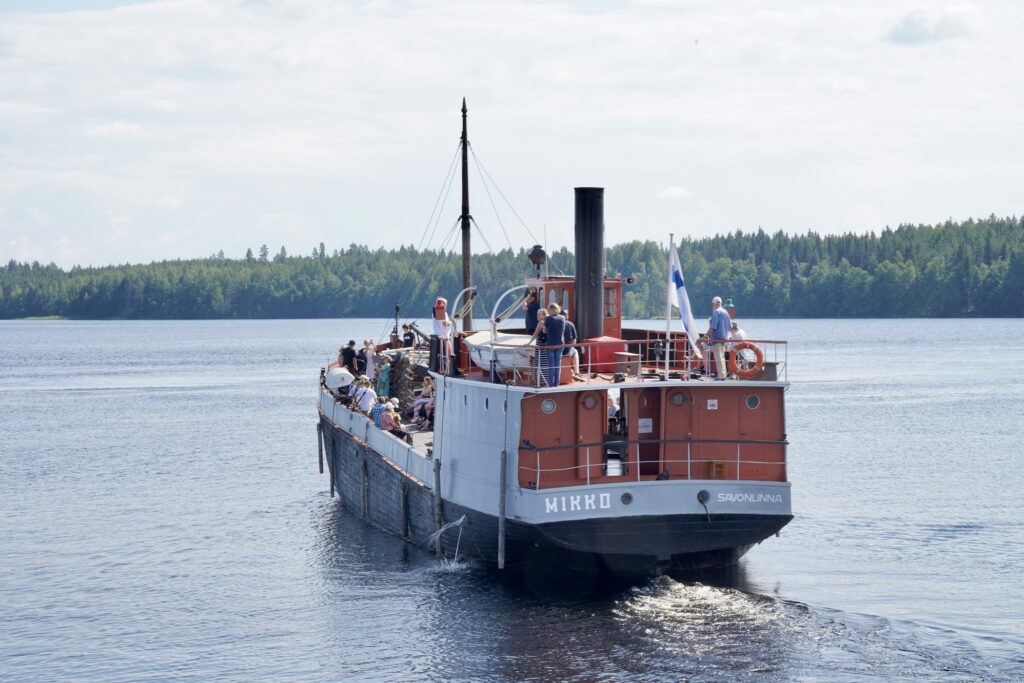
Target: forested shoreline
x,y
972,268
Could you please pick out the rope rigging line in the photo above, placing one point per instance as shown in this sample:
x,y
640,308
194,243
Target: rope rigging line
x,y
445,188
435,219
483,181
480,232
496,187
437,259
451,233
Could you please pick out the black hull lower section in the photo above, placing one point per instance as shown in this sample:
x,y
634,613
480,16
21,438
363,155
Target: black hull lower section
x,y
625,546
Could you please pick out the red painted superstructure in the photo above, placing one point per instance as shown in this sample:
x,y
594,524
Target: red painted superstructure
x,y
702,431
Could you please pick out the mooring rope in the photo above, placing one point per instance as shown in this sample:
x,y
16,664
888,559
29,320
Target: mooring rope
x,y
433,538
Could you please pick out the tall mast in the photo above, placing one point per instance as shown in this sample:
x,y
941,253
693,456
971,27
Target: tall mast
x,y
467,270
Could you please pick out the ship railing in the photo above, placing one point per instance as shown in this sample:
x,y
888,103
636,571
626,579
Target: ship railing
x,y
653,358
385,444
596,457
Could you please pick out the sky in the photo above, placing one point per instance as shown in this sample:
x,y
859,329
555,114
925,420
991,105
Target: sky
x,y
133,132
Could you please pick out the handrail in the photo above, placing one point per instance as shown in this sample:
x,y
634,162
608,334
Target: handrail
x,y
664,465
730,460
654,356
625,457
630,442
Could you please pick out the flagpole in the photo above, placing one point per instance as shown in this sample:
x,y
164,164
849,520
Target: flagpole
x,y
668,301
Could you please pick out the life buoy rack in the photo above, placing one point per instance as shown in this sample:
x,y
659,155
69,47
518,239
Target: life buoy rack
x,y
753,370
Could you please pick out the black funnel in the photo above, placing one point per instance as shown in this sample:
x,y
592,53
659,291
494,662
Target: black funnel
x,y
588,314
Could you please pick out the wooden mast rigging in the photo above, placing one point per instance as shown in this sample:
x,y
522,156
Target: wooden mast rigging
x,y
467,269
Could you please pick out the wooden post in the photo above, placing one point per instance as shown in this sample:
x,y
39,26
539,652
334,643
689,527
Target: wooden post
x,y
366,488
438,517
405,510
320,444
332,465
502,483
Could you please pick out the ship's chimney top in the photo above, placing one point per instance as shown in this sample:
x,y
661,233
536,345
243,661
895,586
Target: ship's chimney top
x,y
589,262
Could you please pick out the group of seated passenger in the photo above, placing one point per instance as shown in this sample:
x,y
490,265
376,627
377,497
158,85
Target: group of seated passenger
x,y
361,395
384,411
385,416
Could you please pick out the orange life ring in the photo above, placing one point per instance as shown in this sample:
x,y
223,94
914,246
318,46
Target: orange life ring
x,y
752,371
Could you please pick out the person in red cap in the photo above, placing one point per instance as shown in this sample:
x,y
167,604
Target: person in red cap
x,y
443,330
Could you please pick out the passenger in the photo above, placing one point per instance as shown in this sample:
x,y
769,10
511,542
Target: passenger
x,y
370,354
613,406
736,335
531,305
360,361
571,351
540,355
426,395
426,416
554,328
408,337
718,334
443,331
364,397
390,422
347,356
350,390
376,409
384,376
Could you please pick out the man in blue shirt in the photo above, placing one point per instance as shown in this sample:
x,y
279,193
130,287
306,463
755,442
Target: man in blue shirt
x,y
717,336
348,356
531,306
554,328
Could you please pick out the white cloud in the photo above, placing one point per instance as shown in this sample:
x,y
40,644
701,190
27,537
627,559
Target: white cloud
x,y
120,225
38,217
20,112
936,22
15,180
119,130
675,192
171,203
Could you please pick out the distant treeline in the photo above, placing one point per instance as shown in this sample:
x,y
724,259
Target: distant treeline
x,y
971,268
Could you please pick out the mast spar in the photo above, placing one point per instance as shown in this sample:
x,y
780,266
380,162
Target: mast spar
x,y
467,269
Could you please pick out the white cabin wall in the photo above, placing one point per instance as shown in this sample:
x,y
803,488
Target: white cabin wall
x,y
470,432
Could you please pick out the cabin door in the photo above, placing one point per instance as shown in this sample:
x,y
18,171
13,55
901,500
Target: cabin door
x,y
648,431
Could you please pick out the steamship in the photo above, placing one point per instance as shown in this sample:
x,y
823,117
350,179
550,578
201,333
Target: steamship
x,y
684,473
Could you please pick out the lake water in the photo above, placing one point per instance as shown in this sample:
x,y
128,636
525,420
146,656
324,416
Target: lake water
x,y
163,519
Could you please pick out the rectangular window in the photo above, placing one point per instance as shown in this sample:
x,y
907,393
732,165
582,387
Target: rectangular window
x,y
610,303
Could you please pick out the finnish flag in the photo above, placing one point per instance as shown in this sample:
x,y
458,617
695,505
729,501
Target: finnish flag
x,y
677,297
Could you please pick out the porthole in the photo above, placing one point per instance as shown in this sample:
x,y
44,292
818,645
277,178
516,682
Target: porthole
x,y
504,406
677,399
465,399
589,401
627,498
548,405
753,401
487,404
